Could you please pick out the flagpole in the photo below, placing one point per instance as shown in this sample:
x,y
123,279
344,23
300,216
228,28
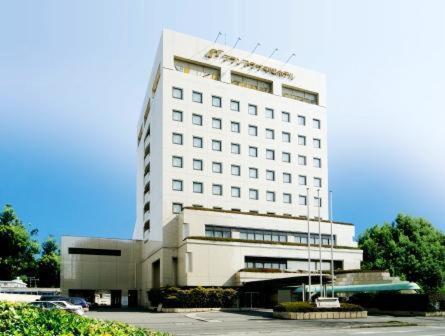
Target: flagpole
x,y
319,243
332,243
308,246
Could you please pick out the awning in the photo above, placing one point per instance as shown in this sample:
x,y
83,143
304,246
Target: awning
x,y
366,288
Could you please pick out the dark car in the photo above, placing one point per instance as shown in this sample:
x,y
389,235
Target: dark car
x,y
73,300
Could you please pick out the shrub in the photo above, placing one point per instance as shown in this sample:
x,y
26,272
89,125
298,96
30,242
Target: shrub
x,y
198,297
22,319
308,307
397,301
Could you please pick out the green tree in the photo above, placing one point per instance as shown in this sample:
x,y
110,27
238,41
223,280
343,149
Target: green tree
x,y
17,246
410,248
48,265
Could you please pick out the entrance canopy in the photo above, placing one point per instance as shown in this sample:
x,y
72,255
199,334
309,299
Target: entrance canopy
x,y
278,283
367,288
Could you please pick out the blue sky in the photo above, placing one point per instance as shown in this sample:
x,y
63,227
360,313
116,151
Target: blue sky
x,y
73,76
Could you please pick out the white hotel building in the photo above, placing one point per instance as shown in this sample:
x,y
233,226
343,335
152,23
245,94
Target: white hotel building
x,y
228,144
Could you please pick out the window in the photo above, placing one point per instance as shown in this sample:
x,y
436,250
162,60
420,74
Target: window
x,y
177,138
302,200
285,136
197,164
197,119
252,234
234,105
285,157
251,82
197,97
217,145
217,167
269,113
302,180
285,116
177,115
235,127
235,170
270,196
253,151
253,194
253,173
177,93
302,140
317,162
197,142
317,143
300,94
287,198
317,182
253,130
235,148
177,185
198,187
316,123
216,123
270,175
217,189
317,201
302,160
218,232
252,109
216,101
287,178
270,154
177,161
236,192
301,120
176,208
197,69
270,133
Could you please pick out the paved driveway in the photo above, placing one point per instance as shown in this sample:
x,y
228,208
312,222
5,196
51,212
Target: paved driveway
x,y
261,323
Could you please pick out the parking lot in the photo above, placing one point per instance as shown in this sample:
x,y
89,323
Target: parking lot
x,y
261,322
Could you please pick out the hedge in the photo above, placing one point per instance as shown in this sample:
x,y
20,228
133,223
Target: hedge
x,y
23,319
308,307
199,297
397,301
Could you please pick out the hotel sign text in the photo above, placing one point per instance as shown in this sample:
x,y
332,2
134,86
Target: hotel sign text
x,y
218,53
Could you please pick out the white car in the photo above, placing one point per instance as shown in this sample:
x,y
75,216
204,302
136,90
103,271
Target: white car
x,y
58,305
68,306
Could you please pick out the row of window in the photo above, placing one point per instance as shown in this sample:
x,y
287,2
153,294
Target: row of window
x,y
252,130
235,148
268,235
252,109
235,192
217,167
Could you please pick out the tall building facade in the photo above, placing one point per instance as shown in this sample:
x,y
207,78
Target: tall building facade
x,y
232,176
222,128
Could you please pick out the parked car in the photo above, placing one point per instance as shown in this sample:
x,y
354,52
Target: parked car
x,y
58,305
70,307
73,300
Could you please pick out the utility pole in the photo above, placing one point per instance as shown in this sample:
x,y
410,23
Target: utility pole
x,y
319,242
308,246
332,243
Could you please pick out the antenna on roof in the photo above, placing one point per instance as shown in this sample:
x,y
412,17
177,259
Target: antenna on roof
x,y
293,55
237,40
217,37
257,45
273,52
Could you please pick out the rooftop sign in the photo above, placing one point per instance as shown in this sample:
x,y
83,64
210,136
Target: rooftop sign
x,y
218,53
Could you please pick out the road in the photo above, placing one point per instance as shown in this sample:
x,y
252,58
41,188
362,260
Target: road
x,y
261,323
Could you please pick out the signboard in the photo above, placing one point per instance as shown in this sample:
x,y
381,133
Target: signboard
x,y
324,302
124,301
218,53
